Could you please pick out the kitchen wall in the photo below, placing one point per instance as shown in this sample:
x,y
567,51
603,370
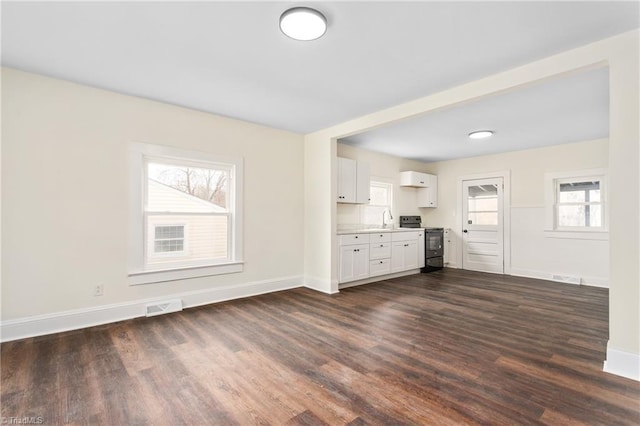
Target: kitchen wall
x,y
385,168
65,200
532,254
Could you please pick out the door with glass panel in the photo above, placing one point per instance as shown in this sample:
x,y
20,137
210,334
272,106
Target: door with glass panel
x,y
482,226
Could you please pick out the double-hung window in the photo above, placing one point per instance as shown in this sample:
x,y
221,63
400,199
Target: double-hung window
x,y
576,203
186,216
381,199
579,203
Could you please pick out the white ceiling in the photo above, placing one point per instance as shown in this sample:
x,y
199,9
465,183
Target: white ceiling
x,y
230,58
564,110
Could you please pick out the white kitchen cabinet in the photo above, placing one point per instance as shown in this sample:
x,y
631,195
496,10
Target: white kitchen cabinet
x,y
371,254
346,180
449,247
414,179
354,262
363,183
404,255
426,184
421,250
428,197
353,181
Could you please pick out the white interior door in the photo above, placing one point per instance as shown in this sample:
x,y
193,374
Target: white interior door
x,y
483,225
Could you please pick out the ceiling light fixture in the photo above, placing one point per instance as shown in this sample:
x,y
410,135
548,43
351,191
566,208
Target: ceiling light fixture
x,y
303,23
481,134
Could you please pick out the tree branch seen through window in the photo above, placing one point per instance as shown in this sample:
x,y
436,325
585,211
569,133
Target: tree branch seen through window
x,y
207,184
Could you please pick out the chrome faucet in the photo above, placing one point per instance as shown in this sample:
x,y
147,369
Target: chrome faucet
x,y
384,213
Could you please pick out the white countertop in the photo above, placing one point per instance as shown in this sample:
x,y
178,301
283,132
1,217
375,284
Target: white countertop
x,y
374,230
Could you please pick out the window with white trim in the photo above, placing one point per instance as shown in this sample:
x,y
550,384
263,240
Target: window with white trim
x,y
186,214
576,202
381,199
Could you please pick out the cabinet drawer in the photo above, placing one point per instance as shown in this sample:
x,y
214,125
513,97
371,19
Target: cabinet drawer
x,y
379,250
407,235
382,237
380,267
349,239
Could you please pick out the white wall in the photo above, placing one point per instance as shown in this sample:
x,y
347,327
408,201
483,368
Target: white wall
x,y
320,184
386,168
532,253
65,195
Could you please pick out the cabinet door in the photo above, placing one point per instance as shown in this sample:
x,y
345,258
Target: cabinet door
x,y
433,191
354,262
397,256
404,255
346,180
410,255
361,263
347,263
428,197
363,183
421,250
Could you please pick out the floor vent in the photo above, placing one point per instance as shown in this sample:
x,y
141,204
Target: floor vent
x,y
159,308
566,279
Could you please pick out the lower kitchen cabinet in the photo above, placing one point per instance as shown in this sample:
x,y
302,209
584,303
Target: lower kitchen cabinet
x,y
421,250
371,255
404,255
354,262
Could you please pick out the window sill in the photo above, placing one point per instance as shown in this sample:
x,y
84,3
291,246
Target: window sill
x,y
149,277
578,235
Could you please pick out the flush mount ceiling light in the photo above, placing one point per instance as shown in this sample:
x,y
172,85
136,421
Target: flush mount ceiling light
x,y
481,134
303,23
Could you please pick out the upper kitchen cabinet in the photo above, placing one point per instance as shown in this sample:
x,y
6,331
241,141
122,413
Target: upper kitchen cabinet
x,y
428,197
427,184
414,179
353,181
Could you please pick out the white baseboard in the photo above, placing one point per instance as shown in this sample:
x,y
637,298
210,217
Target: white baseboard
x,y
588,281
622,363
87,317
318,284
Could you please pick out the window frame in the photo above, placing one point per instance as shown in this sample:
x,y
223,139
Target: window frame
x,y
363,208
552,205
139,273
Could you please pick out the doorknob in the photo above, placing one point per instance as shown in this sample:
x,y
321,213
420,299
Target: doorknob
x,y
465,231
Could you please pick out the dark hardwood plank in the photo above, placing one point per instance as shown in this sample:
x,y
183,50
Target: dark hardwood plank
x,y
451,347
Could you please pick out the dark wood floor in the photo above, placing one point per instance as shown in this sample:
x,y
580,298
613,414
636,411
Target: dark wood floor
x,y
451,347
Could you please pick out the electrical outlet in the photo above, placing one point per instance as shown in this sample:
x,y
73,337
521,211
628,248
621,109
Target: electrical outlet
x,y
98,290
